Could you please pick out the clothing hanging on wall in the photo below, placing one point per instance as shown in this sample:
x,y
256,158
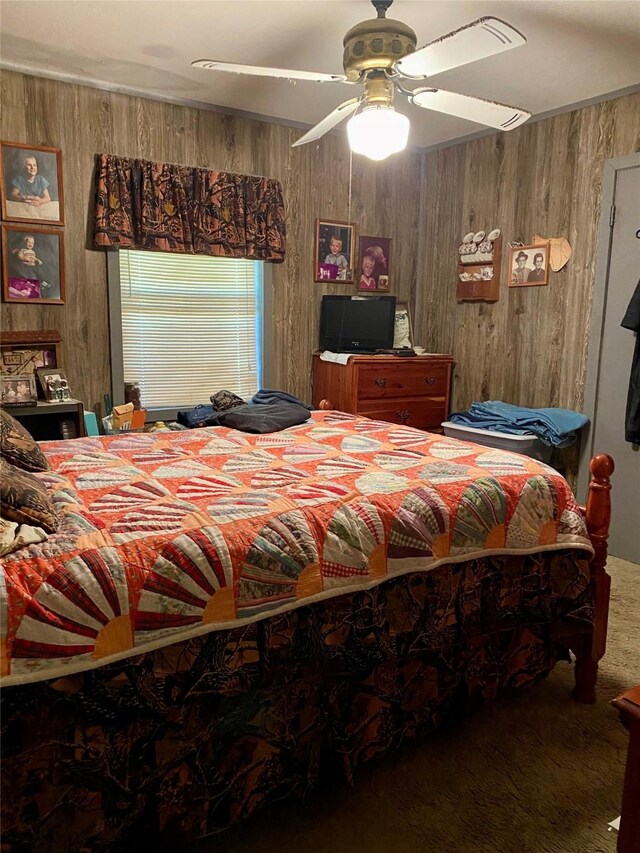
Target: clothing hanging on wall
x,y
631,320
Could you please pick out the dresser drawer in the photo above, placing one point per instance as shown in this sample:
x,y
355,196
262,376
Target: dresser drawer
x,y
402,380
422,412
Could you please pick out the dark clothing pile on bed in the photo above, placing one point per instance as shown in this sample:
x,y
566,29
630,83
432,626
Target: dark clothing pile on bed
x,y
268,411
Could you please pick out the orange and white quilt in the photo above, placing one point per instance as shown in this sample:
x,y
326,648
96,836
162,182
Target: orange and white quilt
x,y
169,535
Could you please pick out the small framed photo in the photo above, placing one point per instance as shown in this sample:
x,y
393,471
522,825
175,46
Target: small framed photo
x,y
19,390
32,265
333,260
373,264
528,265
54,384
402,328
31,183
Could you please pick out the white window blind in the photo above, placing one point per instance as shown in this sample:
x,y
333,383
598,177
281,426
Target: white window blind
x,y
190,326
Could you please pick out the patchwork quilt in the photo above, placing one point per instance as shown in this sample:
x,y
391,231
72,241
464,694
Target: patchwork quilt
x,y
168,536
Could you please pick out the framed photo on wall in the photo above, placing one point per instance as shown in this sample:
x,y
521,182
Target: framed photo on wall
x,y
373,264
528,265
32,265
334,251
31,183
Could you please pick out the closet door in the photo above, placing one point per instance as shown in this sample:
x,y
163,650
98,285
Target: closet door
x,y
616,352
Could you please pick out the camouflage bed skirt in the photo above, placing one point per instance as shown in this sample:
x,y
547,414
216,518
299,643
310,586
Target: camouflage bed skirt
x,y
188,739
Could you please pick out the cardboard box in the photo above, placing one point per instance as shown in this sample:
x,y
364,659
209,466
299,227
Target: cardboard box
x,y
122,416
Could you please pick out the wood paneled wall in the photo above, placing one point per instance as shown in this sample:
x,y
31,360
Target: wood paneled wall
x,y
529,348
544,178
83,121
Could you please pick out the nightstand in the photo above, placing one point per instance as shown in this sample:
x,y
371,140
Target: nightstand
x,y
45,420
628,706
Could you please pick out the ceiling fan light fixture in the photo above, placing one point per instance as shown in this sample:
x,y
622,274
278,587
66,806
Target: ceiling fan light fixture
x,y
378,131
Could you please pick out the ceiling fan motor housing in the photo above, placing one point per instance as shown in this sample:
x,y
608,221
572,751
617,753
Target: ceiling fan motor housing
x,y
376,44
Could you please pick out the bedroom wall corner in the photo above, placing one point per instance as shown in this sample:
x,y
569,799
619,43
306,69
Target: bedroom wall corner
x,y
530,347
83,121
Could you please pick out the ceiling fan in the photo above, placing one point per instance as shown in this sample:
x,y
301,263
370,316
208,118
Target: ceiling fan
x,y
380,54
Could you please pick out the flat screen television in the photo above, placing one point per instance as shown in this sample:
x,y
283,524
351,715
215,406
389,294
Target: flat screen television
x,y
349,324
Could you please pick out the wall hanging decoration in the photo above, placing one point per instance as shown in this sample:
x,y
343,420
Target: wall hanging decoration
x,y
559,250
334,251
23,352
528,265
479,259
32,265
374,264
31,183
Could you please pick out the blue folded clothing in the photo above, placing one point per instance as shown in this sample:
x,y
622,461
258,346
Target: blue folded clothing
x,y
555,427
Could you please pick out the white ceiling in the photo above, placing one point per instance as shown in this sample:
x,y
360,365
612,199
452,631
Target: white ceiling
x,y
577,50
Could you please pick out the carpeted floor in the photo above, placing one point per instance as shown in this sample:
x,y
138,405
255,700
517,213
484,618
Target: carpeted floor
x,y
533,773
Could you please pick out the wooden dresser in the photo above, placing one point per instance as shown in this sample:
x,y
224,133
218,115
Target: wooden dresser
x,y
412,391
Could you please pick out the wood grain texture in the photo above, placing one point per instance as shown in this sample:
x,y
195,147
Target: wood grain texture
x,y
83,121
544,178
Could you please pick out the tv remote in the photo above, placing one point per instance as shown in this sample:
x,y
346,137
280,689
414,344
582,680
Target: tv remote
x,y
404,351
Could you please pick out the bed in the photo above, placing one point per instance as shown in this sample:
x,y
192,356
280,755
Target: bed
x,y
222,617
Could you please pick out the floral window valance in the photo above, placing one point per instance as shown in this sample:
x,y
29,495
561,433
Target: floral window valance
x,y
168,208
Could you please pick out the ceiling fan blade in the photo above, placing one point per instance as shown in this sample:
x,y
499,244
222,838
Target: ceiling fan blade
x,y
484,37
260,71
328,122
490,113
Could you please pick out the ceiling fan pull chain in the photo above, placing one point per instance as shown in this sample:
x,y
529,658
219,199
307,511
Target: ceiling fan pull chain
x,y
350,177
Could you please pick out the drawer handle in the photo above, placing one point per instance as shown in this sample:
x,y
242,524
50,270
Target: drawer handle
x,y
430,380
381,381
403,414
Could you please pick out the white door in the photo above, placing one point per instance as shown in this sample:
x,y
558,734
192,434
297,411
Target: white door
x,y
611,380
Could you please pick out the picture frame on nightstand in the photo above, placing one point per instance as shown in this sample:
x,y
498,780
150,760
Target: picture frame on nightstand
x,y
19,390
54,385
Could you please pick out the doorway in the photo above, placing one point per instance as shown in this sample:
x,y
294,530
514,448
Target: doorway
x,y
611,350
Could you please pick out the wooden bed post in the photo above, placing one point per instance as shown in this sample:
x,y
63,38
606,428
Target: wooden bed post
x,y
591,647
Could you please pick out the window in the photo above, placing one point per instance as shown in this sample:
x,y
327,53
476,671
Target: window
x,y
190,325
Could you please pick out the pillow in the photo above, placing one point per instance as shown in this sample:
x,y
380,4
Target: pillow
x,y
18,447
14,536
23,498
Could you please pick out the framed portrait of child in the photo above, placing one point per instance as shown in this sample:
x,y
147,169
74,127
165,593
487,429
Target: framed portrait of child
x,y
31,183
32,265
373,264
334,251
